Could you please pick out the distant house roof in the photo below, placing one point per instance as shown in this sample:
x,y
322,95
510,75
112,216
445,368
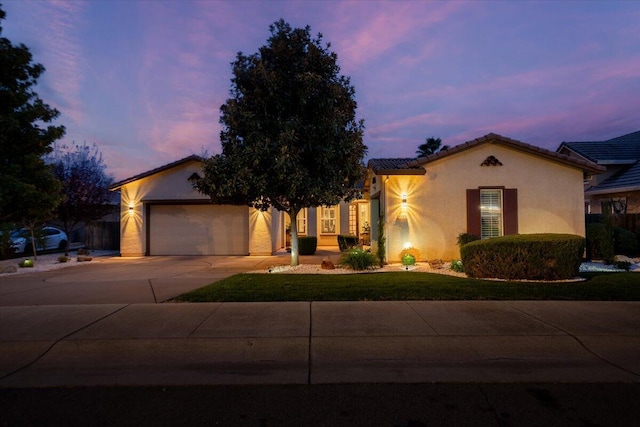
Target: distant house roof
x,y
627,179
118,185
621,150
585,165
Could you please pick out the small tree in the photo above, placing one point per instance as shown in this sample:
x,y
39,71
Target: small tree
x,y
85,186
290,138
432,145
28,190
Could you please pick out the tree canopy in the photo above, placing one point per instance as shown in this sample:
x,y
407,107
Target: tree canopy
x,y
28,189
290,136
85,185
431,145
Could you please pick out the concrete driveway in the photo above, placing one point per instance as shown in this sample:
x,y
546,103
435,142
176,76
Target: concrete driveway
x,y
117,280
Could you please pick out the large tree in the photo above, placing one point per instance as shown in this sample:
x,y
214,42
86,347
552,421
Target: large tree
x,y
290,137
431,145
85,186
28,189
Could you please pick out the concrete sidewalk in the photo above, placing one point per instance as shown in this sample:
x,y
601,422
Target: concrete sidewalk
x,y
320,342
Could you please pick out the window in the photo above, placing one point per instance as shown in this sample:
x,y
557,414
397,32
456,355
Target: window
x,y
328,220
302,221
490,213
353,220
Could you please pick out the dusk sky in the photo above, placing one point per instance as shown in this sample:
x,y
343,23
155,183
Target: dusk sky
x,y
145,79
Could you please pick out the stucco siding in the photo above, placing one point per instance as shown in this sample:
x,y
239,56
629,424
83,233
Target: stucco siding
x,y
550,199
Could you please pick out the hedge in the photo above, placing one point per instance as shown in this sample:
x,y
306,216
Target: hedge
x,y
526,256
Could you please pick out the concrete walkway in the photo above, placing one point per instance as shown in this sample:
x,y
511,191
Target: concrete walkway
x,y
320,342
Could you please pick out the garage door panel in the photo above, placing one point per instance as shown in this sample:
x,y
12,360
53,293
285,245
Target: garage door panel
x,y
198,230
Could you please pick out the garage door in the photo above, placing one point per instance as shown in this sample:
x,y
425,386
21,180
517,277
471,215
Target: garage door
x,y
198,230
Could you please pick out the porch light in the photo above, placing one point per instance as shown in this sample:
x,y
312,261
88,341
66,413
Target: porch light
x,y
404,201
130,208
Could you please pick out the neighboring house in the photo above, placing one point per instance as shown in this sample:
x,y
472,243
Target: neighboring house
x,y
161,214
489,187
617,190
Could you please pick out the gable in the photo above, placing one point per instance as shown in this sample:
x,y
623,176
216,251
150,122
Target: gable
x,y
584,165
167,183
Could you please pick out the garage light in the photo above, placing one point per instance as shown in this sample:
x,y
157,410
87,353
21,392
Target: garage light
x,y
130,208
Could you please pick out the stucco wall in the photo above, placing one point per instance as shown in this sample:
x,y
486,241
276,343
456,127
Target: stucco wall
x,y
550,199
171,184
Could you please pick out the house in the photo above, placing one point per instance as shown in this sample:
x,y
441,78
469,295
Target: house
x,y
161,214
617,190
490,186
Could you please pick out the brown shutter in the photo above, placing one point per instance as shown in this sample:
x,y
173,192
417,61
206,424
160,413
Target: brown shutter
x,y
510,211
473,212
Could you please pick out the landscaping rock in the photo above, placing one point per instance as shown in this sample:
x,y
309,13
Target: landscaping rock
x,y
436,264
327,264
83,258
8,269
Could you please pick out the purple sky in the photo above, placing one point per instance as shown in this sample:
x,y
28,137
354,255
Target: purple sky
x,y
145,79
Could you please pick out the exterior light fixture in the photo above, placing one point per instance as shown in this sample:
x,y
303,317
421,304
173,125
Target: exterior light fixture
x,y
130,208
406,245
404,201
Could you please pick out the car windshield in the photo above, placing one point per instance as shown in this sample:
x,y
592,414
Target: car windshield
x,y
19,233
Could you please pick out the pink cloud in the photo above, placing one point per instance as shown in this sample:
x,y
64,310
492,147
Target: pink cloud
x,y
364,30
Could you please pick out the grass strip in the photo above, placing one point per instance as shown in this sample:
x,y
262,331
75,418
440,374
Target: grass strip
x,y
406,286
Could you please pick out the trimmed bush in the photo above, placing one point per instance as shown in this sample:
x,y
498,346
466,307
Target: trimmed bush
x,y
457,266
624,242
408,259
346,242
600,242
307,245
527,256
464,238
27,263
357,259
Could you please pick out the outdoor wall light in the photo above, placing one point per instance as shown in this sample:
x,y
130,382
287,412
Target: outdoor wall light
x,y
404,201
130,208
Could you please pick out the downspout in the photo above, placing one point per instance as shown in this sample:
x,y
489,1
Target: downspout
x,y
385,216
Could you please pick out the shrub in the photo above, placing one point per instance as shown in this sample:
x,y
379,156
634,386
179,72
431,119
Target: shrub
x,y
408,259
527,256
357,259
27,263
457,266
600,242
307,245
624,242
415,253
63,258
346,242
464,238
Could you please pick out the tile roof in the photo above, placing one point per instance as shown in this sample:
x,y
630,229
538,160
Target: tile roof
x,y
627,179
624,149
395,166
193,157
585,165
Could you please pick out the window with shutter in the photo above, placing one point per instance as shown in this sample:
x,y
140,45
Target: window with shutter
x,y
490,213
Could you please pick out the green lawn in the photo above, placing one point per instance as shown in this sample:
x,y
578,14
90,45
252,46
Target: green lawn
x,y
409,286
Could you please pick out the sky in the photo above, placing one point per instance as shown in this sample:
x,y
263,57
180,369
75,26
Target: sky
x,y
144,80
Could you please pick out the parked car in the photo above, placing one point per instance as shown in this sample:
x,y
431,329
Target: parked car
x,y
53,238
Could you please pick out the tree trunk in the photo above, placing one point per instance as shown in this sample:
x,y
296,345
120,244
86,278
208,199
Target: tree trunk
x,y
293,216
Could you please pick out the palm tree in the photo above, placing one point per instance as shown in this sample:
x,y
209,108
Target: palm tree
x,y
432,145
